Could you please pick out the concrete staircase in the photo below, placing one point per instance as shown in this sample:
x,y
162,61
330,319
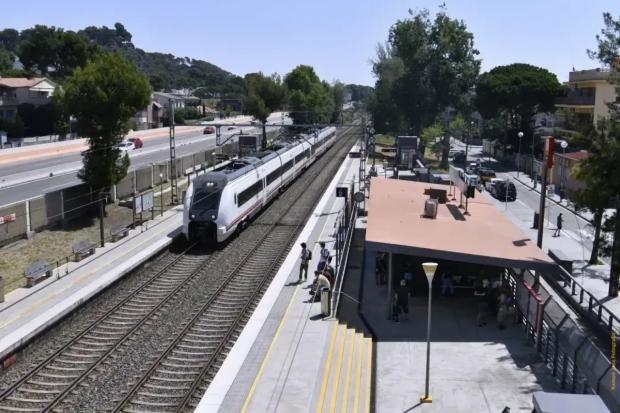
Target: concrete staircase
x,y
347,375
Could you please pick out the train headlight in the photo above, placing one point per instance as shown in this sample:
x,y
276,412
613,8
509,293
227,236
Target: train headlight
x,y
192,216
212,216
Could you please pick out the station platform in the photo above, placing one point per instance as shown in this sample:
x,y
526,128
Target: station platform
x,y
27,312
289,357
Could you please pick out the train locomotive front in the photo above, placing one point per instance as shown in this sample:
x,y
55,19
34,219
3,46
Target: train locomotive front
x,y
202,207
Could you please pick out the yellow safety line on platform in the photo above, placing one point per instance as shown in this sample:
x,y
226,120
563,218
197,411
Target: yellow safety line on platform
x,y
336,382
368,375
347,382
263,366
328,367
358,373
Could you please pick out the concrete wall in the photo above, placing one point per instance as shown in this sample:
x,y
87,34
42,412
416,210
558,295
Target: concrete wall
x,y
144,178
16,229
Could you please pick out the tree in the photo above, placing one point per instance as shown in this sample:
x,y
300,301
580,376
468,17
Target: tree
x,y
426,66
310,100
520,91
53,51
6,61
430,136
9,39
338,91
265,95
103,96
605,154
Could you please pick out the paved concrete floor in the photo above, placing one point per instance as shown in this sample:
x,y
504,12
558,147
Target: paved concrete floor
x,y
473,369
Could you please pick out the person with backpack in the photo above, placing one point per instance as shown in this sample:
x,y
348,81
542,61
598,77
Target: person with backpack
x,y
305,257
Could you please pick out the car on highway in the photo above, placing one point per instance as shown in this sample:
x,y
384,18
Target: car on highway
x,y
490,185
137,142
231,128
126,146
209,130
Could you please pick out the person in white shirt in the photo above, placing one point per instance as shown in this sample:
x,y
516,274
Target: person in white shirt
x,y
323,256
304,257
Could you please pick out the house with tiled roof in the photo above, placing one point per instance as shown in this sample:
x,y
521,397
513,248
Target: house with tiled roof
x,y
17,90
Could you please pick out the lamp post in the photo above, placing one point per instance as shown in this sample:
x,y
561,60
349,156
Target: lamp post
x,y
534,175
429,270
161,194
564,145
520,135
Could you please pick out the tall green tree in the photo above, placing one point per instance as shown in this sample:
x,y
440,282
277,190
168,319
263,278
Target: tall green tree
x,y
388,69
6,61
52,51
605,156
103,96
518,91
265,94
338,91
433,137
310,100
9,39
439,67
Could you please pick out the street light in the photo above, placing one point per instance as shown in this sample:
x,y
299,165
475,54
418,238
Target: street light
x,y
161,193
520,135
564,145
429,270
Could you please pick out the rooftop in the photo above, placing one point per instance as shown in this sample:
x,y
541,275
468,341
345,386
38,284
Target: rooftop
x,y
396,224
15,82
575,156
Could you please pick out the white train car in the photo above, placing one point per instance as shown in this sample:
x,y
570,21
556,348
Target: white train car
x,y
222,201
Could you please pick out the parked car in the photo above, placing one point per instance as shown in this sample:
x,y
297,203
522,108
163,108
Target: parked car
x,y
459,157
486,174
505,191
137,142
491,184
209,130
126,146
231,128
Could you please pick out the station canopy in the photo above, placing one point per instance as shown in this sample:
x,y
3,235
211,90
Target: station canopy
x,y
396,224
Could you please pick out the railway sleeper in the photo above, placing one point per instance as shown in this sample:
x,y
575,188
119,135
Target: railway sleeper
x,y
25,400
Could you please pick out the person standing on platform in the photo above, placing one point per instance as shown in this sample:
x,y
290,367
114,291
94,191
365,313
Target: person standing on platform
x,y
408,278
558,223
480,292
323,256
305,257
402,302
447,285
328,270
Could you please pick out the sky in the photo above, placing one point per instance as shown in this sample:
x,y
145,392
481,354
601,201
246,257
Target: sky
x,y
337,37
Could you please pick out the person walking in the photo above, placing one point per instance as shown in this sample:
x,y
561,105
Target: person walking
x,y
558,224
305,257
323,256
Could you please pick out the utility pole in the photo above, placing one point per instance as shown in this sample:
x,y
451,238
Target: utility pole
x,y
547,163
534,175
173,158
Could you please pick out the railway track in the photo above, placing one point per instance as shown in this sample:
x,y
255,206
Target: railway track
x,y
43,387
176,373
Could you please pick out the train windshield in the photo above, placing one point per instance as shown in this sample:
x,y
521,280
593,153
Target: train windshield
x,y
207,198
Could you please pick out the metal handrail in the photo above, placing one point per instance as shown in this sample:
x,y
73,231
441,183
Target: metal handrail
x,y
343,262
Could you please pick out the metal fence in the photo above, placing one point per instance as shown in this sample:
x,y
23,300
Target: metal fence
x,y
572,356
63,206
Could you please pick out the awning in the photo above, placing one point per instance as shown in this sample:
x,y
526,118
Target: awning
x,y
396,224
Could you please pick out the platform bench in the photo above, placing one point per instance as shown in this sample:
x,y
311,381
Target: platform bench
x,y
118,232
83,249
562,259
37,271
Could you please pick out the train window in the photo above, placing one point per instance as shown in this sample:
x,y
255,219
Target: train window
x,y
299,157
273,176
287,166
249,193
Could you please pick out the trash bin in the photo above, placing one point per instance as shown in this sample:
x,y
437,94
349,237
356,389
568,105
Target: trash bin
x,y
325,301
1,289
536,217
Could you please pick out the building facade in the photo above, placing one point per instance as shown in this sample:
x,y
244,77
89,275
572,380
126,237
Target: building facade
x,y
589,95
563,165
15,91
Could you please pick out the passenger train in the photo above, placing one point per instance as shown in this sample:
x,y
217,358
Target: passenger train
x,y
223,200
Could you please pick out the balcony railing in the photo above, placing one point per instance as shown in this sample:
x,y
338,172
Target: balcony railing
x,y
575,100
592,74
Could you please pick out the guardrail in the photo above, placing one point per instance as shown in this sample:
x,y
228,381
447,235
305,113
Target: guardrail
x,y
573,357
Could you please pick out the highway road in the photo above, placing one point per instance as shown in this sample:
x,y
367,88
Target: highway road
x,y
26,179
